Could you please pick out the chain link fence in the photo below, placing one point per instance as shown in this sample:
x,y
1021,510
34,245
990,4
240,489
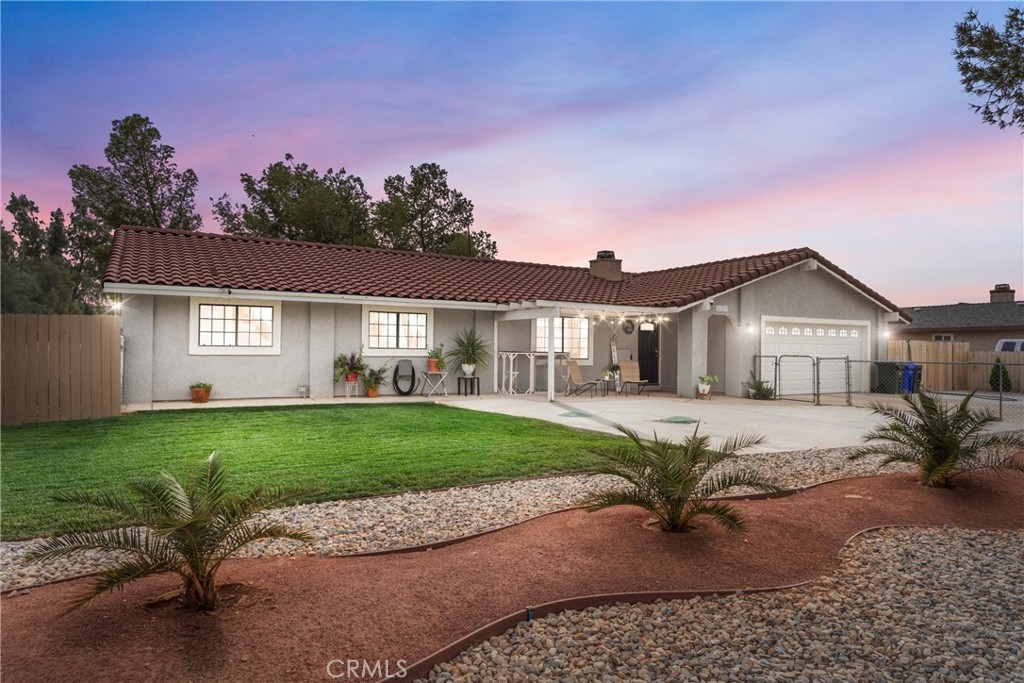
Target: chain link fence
x,y
841,381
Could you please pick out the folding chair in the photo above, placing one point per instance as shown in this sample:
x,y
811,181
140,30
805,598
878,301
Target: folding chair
x,y
629,371
576,385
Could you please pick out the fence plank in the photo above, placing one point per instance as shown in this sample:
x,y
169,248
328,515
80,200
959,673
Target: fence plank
x,y
32,369
52,368
64,362
20,360
42,367
8,370
75,344
94,389
86,379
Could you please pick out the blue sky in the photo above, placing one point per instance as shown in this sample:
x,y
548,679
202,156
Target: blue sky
x,y
673,133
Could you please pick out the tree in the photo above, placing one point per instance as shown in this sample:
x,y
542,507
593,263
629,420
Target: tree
x,y
186,528
424,214
38,275
293,201
943,441
675,480
142,185
991,66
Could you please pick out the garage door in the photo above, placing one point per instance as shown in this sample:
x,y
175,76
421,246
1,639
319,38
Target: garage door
x,y
796,341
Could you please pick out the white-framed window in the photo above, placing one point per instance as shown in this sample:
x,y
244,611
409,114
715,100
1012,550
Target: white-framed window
x,y
942,337
796,331
769,330
397,330
234,327
832,332
387,330
821,332
572,336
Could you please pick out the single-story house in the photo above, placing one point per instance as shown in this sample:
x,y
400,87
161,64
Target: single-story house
x,y
266,318
981,325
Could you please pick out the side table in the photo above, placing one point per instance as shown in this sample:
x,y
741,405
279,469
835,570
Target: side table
x,y
469,384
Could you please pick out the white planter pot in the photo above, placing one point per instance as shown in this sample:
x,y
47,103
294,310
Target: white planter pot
x,y
704,389
468,369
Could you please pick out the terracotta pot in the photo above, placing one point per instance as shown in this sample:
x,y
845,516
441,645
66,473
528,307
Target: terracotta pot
x,y
371,392
200,395
432,365
352,378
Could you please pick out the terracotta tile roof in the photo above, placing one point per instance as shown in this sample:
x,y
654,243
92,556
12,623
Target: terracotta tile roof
x,y
148,256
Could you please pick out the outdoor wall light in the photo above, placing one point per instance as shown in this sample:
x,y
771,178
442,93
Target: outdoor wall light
x,y
750,329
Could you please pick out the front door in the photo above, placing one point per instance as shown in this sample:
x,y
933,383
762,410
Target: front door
x,y
647,352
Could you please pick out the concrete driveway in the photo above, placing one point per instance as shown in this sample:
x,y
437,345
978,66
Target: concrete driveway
x,y
787,425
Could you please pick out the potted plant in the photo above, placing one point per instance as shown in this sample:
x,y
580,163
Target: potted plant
x,y
470,350
349,366
373,378
760,389
435,359
200,391
704,383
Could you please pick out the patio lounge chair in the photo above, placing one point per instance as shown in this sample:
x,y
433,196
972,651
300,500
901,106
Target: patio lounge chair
x,y
629,370
576,385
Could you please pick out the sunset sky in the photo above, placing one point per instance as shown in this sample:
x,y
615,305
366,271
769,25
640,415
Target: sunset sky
x,y
672,133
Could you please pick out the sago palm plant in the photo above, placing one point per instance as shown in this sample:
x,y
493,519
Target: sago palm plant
x,y
186,528
675,480
942,440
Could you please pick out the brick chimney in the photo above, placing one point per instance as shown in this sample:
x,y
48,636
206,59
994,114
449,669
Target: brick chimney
x,y
1001,294
606,266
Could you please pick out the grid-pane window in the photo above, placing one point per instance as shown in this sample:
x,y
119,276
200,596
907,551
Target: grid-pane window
x,y
572,336
395,330
236,326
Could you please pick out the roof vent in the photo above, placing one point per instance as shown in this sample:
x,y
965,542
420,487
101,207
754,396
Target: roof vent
x,y
1001,294
606,266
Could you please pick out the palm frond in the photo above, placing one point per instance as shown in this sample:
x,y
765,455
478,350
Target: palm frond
x,y
117,577
723,513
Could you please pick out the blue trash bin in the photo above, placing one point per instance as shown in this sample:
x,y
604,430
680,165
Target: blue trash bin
x,y
910,378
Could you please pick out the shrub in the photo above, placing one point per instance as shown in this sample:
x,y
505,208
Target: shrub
x,y
674,480
186,528
943,441
999,378
759,388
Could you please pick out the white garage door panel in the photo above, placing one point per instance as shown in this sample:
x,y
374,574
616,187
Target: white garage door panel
x,y
817,339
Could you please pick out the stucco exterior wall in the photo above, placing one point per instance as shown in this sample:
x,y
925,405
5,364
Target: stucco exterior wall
x,y
732,324
173,369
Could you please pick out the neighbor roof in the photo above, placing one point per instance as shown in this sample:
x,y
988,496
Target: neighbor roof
x,y
147,256
997,316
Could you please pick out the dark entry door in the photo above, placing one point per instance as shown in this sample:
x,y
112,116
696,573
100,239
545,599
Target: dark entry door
x,y
647,352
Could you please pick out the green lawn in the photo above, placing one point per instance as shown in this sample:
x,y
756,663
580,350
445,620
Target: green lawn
x,y
348,451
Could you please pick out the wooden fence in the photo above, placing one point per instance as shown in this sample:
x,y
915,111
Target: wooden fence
x,y
60,367
939,374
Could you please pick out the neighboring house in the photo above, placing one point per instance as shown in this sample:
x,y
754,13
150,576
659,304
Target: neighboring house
x,y
981,325
260,317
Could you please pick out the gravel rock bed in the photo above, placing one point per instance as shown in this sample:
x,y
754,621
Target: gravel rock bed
x,y
390,522
906,605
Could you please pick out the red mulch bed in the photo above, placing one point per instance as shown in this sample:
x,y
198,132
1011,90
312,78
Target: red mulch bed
x,y
287,618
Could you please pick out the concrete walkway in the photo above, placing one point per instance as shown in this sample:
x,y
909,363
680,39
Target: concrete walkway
x,y
787,426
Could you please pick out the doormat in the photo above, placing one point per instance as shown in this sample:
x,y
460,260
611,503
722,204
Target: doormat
x,y
574,413
679,420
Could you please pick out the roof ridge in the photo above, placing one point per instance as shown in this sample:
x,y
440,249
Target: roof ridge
x,y
328,245
804,251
